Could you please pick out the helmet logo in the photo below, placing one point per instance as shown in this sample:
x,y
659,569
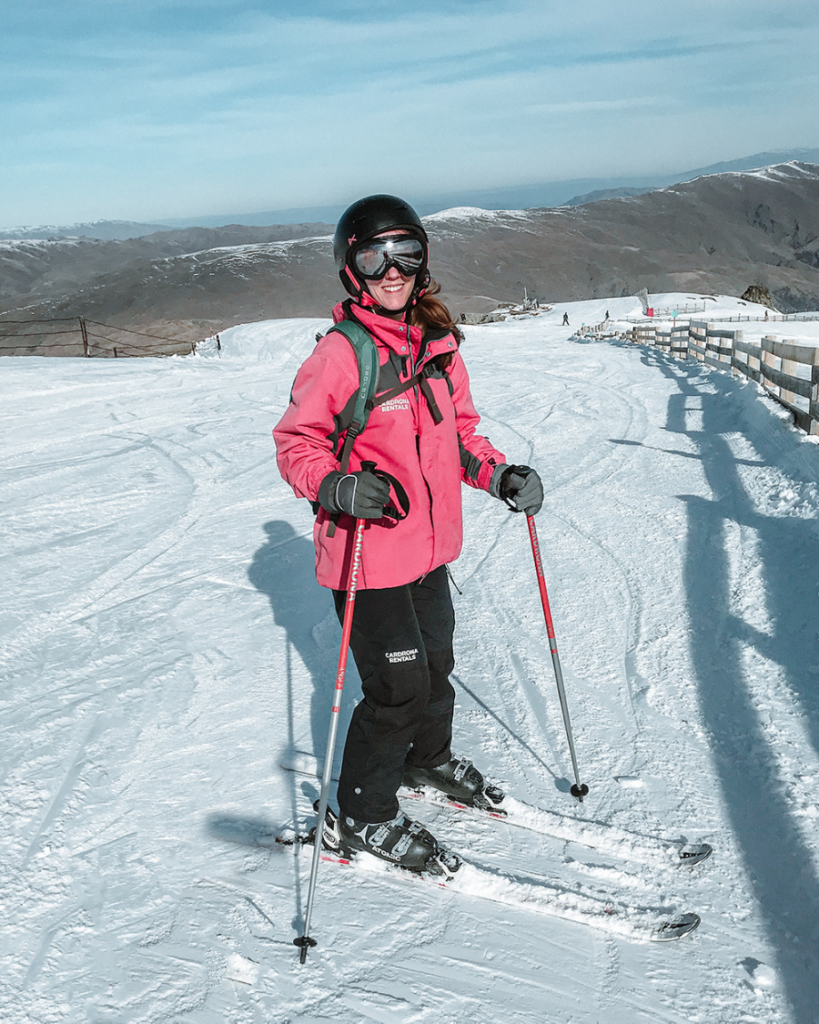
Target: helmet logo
x,y
351,240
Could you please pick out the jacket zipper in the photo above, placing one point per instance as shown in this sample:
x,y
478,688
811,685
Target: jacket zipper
x,y
412,362
416,389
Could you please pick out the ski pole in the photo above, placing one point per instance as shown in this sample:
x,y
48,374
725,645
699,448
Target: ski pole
x,y
305,941
579,790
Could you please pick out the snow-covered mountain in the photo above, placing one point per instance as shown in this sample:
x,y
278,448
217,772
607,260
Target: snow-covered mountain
x,y
539,194
41,268
718,233
102,229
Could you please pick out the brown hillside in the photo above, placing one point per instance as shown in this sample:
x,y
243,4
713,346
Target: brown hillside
x,y
719,233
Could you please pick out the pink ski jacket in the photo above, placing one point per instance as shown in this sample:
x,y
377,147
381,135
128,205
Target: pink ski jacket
x,y
429,459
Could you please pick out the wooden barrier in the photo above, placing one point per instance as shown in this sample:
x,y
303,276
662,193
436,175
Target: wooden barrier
x,y
783,382
679,341
697,339
662,339
788,370
714,345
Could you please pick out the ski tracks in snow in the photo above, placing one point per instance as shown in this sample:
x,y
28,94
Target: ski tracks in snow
x,y
148,688
556,423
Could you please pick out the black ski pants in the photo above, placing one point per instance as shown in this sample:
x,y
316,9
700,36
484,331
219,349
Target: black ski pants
x,y
402,645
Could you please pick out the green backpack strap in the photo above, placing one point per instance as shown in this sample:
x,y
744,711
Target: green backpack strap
x,y
367,358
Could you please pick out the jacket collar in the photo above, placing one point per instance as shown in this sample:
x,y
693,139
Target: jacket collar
x,y
392,333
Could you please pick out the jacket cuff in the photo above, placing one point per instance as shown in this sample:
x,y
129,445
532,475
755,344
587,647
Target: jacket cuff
x,y
327,491
493,484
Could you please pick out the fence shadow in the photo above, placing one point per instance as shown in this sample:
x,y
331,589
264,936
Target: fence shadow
x,y
779,864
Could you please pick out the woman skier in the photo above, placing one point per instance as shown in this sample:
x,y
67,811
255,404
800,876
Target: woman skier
x,y
421,435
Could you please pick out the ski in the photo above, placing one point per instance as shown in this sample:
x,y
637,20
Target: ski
x,y
595,835
476,881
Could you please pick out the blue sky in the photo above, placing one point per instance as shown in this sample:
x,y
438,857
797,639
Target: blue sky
x,y
146,109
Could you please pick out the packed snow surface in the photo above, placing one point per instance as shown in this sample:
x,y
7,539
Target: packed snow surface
x,y
166,645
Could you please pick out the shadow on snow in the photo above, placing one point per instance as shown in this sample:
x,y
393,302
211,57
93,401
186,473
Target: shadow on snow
x,y
779,863
284,569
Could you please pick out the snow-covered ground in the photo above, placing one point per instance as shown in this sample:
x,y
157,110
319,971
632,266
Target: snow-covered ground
x,y
165,645
725,310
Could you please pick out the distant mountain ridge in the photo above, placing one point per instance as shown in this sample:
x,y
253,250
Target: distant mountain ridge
x,y
522,197
109,230
606,193
40,268
715,234
572,192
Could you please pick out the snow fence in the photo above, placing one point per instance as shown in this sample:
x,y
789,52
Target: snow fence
x,y
787,368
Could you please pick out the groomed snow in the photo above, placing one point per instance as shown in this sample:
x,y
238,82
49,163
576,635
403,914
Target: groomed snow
x,y
165,644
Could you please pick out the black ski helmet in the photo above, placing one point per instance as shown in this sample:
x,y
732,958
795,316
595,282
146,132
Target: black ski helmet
x,y
361,222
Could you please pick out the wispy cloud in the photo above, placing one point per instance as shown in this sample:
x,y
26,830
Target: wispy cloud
x,y
142,110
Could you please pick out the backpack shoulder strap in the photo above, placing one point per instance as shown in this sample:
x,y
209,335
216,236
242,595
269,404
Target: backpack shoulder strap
x,y
366,356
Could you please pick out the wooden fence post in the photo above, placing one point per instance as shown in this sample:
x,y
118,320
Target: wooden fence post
x,y
726,347
814,393
770,360
739,336
85,351
753,364
788,366
679,341
698,338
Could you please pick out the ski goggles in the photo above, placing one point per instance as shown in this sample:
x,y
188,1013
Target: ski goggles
x,y
374,259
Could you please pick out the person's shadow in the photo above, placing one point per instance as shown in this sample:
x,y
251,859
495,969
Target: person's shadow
x,y
283,569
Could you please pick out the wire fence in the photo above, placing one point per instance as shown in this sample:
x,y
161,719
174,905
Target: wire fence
x,y
46,337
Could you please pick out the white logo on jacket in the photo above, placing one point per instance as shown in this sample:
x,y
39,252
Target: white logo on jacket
x,y
394,404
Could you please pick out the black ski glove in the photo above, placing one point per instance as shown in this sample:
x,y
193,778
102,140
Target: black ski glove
x,y
362,495
519,487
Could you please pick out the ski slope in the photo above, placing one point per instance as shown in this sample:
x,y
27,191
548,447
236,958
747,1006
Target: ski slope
x,y
165,645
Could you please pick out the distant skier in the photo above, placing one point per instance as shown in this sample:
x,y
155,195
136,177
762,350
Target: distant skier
x,y
565,319
422,433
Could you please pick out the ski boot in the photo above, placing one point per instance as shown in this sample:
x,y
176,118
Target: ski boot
x,y
460,780
402,842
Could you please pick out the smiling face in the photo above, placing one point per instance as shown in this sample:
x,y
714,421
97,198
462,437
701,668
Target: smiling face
x,y
393,291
